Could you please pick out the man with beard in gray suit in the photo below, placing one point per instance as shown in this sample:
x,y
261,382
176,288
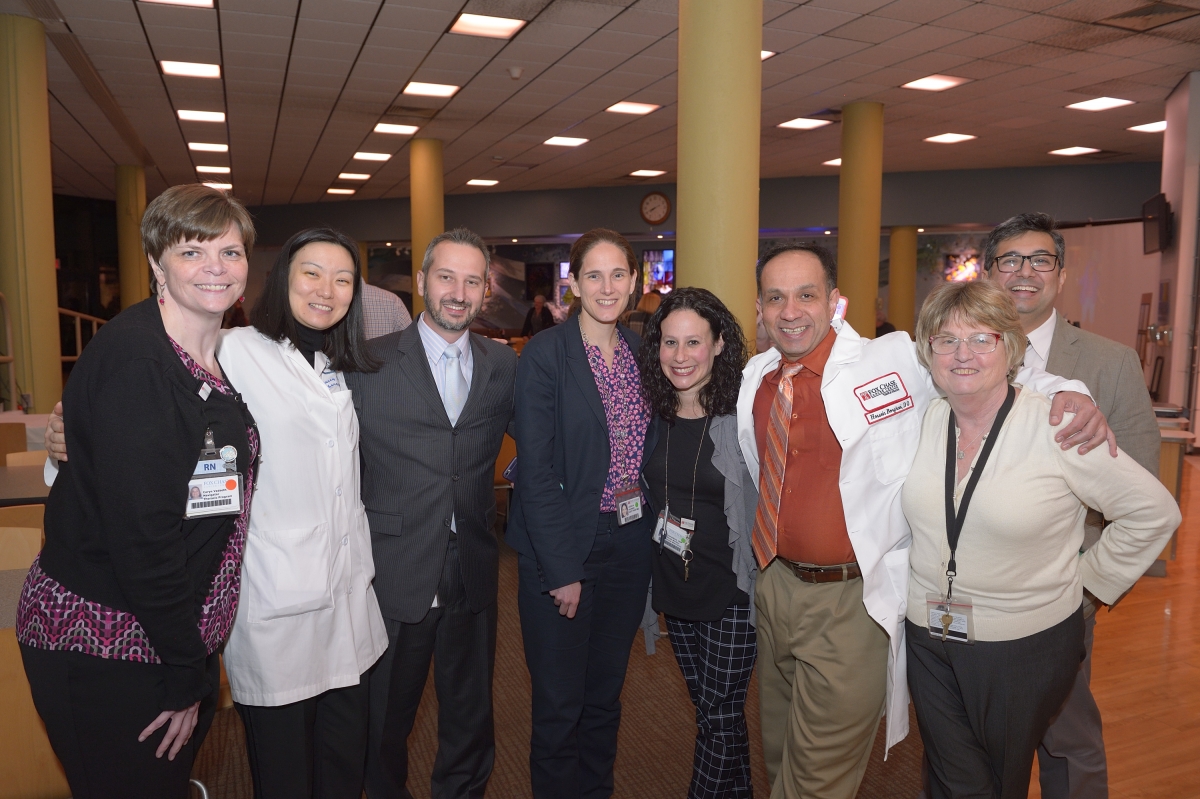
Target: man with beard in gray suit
x,y
432,421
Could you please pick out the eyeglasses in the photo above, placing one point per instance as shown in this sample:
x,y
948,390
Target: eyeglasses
x,y
978,343
1013,263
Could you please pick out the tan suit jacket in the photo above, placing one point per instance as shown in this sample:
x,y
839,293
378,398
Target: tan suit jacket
x,y
1113,373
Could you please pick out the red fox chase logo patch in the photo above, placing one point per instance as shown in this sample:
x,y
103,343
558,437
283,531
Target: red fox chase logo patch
x,y
883,397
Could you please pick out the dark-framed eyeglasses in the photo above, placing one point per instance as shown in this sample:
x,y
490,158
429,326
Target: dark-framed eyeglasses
x,y
1040,262
978,343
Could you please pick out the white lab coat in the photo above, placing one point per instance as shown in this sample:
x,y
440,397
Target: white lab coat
x,y
881,379
308,620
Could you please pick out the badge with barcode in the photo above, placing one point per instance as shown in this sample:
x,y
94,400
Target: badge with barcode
x,y
214,496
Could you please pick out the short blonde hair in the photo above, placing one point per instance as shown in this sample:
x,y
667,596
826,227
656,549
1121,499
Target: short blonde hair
x,y
192,211
976,302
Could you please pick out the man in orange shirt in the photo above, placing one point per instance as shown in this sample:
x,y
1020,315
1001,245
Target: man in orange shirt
x,y
829,425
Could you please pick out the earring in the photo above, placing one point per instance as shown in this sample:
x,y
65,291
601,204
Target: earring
x,y
242,298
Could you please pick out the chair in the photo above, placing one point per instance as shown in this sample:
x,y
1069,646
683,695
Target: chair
x,y
23,516
33,457
508,451
30,769
12,437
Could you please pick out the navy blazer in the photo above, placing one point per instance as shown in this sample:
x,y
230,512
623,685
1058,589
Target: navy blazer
x,y
563,454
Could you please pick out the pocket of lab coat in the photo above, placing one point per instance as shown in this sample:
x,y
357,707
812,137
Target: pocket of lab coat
x,y
286,573
894,445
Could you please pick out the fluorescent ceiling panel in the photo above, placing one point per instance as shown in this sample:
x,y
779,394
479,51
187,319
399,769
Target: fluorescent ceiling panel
x,y
372,156
418,89
564,141
950,138
213,170
207,147
482,182
1074,151
353,176
1150,127
765,54
339,191
201,116
647,173
626,107
1100,104
191,3
803,123
935,83
402,130
490,27
190,69
834,162
221,186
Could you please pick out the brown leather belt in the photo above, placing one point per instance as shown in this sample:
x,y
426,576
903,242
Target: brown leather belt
x,y
823,574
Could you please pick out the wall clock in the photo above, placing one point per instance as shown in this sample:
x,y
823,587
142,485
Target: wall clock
x,y
655,208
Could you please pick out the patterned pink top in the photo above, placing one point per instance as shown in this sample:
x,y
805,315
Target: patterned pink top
x,y
628,416
50,616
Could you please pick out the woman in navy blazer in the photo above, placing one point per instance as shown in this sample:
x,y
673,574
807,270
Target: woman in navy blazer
x,y
581,423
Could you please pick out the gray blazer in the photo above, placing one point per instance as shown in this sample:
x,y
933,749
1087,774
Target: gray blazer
x,y
1113,373
418,470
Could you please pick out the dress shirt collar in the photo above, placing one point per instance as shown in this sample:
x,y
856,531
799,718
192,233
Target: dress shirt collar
x,y
815,361
435,345
1040,340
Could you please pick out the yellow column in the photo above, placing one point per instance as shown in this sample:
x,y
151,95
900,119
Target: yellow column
x,y
426,202
902,278
132,268
860,193
720,100
27,276
363,257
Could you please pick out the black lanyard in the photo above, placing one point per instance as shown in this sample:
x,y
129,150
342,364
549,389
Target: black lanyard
x,y
954,522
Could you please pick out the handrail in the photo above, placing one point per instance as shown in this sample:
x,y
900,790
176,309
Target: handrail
x,y
79,318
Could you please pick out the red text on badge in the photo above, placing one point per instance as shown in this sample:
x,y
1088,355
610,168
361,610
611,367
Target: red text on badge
x,y
883,397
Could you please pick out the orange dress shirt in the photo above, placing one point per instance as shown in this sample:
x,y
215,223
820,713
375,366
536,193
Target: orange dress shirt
x,y
812,523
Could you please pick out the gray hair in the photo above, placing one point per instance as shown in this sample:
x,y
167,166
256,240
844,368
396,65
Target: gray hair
x,y
459,235
1036,222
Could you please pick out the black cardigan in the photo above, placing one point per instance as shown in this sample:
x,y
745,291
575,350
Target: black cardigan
x,y
563,453
115,532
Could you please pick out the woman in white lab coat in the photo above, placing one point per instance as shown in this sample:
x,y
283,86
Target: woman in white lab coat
x,y
308,625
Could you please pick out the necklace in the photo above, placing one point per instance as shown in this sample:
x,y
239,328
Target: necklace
x,y
961,451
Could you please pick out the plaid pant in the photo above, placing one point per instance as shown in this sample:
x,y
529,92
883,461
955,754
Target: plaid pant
x,y
717,660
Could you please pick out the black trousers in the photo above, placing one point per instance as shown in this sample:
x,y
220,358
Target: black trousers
x,y
1071,759
462,646
982,709
717,661
577,666
312,749
94,710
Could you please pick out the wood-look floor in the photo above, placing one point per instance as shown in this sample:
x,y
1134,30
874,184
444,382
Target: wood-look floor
x,y
1146,673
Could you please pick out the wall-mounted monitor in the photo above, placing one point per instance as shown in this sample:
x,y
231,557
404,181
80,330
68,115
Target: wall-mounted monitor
x,y
1158,223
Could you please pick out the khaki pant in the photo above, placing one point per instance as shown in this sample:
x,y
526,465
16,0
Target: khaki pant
x,y
822,682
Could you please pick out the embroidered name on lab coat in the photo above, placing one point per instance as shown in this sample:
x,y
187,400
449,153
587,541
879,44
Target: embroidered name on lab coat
x,y
883,397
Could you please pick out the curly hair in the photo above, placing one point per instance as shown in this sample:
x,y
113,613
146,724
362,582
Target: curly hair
x,y
719,395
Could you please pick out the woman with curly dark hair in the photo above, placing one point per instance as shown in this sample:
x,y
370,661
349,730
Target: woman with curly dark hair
x,y
691,362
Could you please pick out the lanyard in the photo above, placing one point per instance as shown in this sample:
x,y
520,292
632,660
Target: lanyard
x,y
954,522
695,469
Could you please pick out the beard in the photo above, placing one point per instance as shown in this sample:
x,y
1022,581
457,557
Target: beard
x,y
449,324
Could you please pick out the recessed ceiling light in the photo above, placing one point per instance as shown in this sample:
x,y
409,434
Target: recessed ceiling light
x,y
1100,104
213,170
827,232
804,123
935,83
514,241
565,141
481,182
626,107
220,186
372,156
950,138
190,69
430,89
201,116
920,230
765,54
1074,151
1150,127
206,147
353,176
834,162
402,130
192,3
647,173
339,191
491,27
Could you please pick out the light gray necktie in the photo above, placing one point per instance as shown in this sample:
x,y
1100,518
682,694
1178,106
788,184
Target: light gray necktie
x,y
454,385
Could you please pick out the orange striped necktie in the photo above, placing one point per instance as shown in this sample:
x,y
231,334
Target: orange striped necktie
x,y
770,481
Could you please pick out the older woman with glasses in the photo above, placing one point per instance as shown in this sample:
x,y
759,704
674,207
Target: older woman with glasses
x,y
994,619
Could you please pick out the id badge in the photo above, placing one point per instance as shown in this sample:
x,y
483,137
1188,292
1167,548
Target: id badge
x,y
670,534
629,505
214,496
950,620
